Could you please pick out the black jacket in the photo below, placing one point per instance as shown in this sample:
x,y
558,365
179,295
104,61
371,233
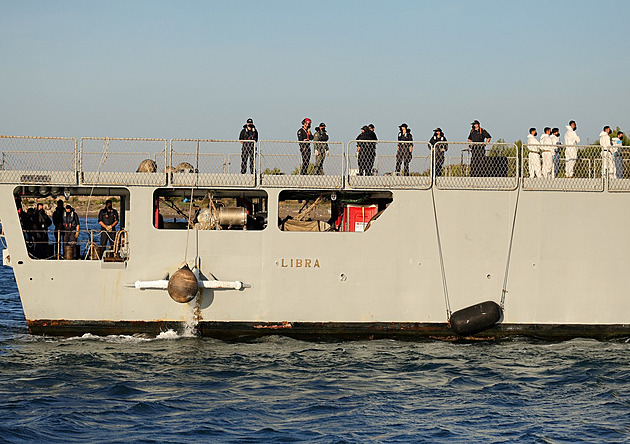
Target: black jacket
x,y
248,134
479,135
435,141
303,135
406,137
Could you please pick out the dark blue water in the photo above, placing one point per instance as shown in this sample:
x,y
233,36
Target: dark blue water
x,y
178,389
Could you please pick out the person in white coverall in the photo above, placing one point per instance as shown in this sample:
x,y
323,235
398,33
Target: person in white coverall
x,y
571,139
547,147
617,143
533,145
608,163
555,139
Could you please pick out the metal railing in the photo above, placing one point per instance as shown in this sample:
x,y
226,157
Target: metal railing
x,y
209,162
66,245
560,167
124,161
308,164
480,166
389,164
38,160
41,161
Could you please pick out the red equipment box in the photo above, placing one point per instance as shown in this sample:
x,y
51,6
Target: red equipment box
x,y
356,217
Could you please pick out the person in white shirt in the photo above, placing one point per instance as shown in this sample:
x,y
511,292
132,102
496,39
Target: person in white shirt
x,y
547,148
617,149
571,139
555,139
608,164
533,146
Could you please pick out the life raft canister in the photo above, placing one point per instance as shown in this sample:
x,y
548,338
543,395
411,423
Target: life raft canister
x,y
476,318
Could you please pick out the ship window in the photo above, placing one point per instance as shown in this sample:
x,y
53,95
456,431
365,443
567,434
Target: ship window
x,y
45,235
209,209
326,211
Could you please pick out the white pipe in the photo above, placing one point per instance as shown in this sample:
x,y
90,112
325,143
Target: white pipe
x,y
216,285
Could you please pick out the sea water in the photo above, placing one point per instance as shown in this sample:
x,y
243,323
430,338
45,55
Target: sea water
x,y
176,388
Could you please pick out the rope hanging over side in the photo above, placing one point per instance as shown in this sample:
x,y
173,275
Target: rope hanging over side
x,y
442,269
192,191
509,255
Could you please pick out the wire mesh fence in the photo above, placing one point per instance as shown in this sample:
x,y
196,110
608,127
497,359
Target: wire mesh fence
x,y
620,180
112,161
480,166
206,162
563,168
302,164
389,164
38,160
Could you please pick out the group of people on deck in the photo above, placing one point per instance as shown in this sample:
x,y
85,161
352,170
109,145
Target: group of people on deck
x,y
543,157
544,154
36,221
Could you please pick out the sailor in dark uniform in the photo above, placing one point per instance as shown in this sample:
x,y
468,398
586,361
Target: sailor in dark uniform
x,y
108,219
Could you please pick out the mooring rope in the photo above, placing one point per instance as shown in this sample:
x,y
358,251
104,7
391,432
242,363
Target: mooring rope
x,y
442,269
192,191
98,172
509,255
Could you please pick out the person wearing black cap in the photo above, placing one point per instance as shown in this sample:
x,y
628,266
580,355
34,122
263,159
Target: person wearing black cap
x,y
477,138
438,142
249,132
108,219
321,149
405,150
365,152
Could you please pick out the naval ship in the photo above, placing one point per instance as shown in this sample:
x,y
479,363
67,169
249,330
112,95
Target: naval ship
x,y
440,244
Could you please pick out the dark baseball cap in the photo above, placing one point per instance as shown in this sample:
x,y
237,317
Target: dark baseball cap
x,y
403,124
250,121
437,129
475,122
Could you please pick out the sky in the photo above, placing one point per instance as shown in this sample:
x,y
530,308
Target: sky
x,y
199,69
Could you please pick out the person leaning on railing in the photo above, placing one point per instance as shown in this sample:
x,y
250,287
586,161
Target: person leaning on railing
x,y
477,136
41,222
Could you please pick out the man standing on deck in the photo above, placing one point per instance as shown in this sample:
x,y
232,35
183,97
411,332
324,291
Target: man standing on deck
x,y
70,226
438,144
547,147
405,150
555,140
249,132
617,150
533,146
608,161
571,139
108,219
57,219
304,133
41,222
321,149
477,136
